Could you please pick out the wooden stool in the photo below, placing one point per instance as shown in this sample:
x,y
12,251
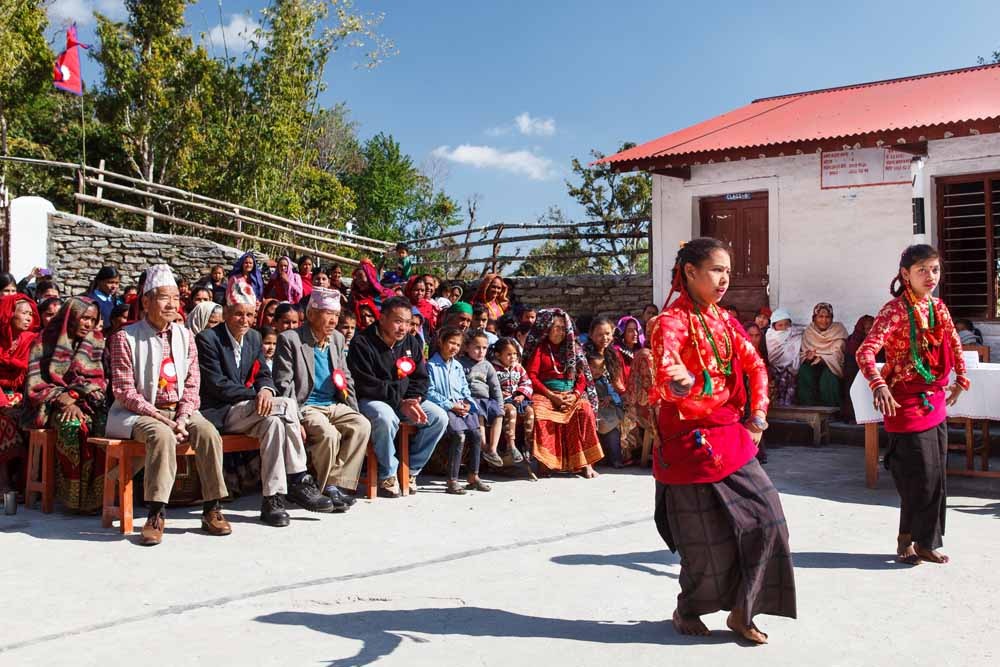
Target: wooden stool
x,y
406,431
41,457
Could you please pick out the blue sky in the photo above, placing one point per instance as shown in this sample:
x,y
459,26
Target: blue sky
x,y
506,93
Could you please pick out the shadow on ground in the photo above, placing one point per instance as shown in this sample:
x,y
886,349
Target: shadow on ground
x,y
382,631
638,561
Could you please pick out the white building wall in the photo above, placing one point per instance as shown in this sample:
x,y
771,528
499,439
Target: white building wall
x,y
840,246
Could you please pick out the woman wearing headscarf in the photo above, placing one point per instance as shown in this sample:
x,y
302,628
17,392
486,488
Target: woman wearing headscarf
x,y
365,284
629,338
492,293
265,315
66,391
285,284
784,344
246,267
19,322
640,415
204,315
417,292
822,365
565,399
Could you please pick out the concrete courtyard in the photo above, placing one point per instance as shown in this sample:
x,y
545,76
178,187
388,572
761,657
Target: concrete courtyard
x,y
560,572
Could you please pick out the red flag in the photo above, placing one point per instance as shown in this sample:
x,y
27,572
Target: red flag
x,y
66,72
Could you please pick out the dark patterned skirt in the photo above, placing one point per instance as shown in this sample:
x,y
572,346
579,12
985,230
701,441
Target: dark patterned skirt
x,y
733,542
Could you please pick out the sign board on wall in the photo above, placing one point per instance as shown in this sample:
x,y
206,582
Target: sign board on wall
x,y
863,167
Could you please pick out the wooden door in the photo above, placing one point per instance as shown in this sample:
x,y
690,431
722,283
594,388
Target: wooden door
x,y
742,224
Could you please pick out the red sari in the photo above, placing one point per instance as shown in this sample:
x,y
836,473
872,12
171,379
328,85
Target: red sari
x,y
15,349
702,437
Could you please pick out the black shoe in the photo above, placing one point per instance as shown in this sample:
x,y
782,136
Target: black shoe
x,y
306,495
272,512
339,497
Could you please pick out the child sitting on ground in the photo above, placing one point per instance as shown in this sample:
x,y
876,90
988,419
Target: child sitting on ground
x,y
347,325
486,394
449,390
609,411
481,322
515,385
269,341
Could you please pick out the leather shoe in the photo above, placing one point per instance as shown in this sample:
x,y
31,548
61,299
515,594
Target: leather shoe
x,y
152,531
387,488
306,495
338,497
213,523
272,512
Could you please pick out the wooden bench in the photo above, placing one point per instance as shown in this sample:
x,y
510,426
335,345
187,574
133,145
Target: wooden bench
x,y
41,458
816,416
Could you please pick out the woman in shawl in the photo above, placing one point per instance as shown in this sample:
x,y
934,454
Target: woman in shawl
x,y
365,284
66,390
246,267
19,323
306,275
854,341
492,293
822,365
285,284
417,291
203,316
784,345
715,505
640,415
913,391
366,312
565,399
629,338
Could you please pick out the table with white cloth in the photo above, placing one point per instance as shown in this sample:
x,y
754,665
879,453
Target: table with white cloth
x,y
980,403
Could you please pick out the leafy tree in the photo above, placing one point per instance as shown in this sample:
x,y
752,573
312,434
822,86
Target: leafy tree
x,y
620,206
557,258
26,61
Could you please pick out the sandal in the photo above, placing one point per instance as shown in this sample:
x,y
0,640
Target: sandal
x,y
454,488
493,459
478,485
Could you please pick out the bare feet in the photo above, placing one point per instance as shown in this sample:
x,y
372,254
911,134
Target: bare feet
x,y
904,550
931,556
689,625
588,472
751,633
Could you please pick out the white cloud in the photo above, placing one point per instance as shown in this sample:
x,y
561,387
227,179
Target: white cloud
x,y
528,125
235,35
486,157
65,12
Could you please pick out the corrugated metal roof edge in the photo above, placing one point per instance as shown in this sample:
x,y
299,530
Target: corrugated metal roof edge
x,y
611,158
882,82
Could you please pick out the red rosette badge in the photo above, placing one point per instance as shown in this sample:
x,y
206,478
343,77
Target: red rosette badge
x,y
340,381
405,367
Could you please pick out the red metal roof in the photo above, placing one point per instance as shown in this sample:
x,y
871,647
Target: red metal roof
x,y
937,100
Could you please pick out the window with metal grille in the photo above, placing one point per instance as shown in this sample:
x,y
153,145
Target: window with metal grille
x,y
969,229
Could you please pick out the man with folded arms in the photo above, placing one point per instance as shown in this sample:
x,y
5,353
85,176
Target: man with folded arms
x,y
238,396
387,363
310,365
155,380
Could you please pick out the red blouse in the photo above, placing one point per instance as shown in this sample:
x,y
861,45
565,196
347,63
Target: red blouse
x,y
891,332
542,366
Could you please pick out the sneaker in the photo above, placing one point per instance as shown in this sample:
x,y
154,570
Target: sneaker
x,y
306,495
388,488
340,500
413,485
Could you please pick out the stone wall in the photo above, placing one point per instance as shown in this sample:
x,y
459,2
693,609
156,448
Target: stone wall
x,y
585,295
78,247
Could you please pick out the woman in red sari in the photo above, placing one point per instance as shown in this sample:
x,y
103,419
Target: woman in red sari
x,y
19,322
66,391
417,291
714,503
921,350
564,400
492,293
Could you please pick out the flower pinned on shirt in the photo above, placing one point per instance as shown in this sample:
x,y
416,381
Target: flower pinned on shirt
x,y
253,373
405,367
340,382
168,375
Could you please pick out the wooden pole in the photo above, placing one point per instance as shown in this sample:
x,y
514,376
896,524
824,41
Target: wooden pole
x,y
100,180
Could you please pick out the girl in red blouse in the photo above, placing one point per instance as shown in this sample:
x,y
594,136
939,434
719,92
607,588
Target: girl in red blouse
x,y
911,390
711,493
564,401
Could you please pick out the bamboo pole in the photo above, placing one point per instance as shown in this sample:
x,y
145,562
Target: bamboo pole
x,y
523,258
490,228
517,239
215,230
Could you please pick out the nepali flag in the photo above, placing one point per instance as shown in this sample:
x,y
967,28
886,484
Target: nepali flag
x,y
66,71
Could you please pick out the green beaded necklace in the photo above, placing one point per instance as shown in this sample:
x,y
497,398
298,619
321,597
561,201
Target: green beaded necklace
x,y
726,366
918,362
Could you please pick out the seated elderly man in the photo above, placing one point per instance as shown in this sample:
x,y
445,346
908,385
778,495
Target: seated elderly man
x,y
387,363
238,396
155,379
310,365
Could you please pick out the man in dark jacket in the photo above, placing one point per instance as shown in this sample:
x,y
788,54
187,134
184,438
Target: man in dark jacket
x,y
238,396
390,376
